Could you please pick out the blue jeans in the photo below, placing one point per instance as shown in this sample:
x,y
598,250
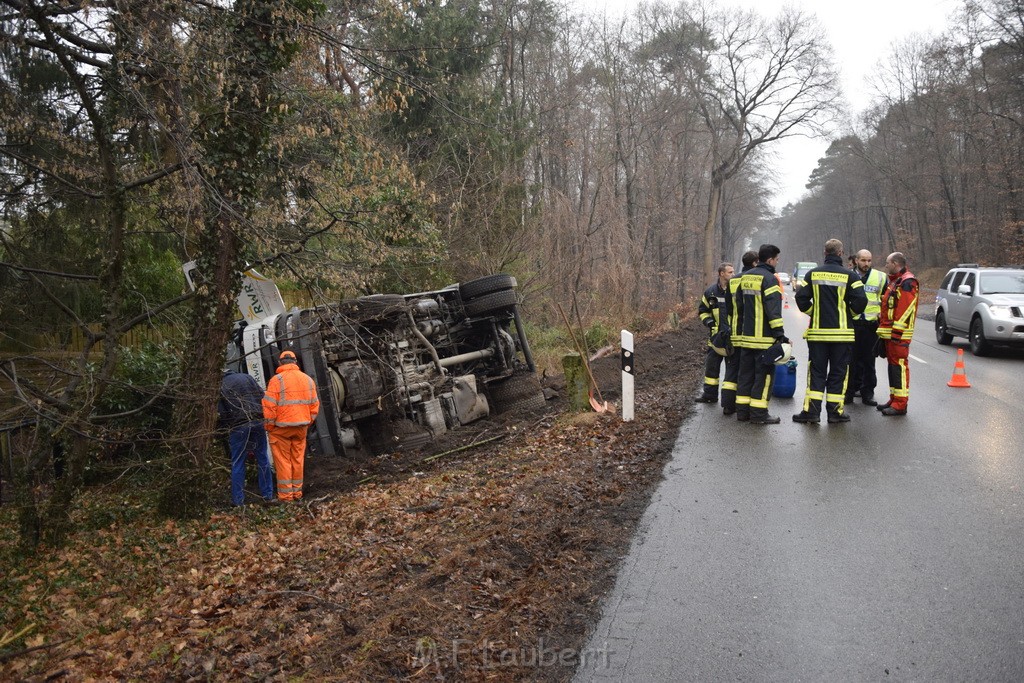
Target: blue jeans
x,y
242,440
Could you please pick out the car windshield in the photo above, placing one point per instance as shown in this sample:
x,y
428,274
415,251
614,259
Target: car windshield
x,y
1003,283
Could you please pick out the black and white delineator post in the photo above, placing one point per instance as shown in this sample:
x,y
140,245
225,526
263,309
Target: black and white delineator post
x,y
628,366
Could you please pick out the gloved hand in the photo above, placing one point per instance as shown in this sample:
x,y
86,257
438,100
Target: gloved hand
x,y
880,348
708,322
782,340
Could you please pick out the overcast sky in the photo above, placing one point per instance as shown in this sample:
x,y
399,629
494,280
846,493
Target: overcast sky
x,y
861,32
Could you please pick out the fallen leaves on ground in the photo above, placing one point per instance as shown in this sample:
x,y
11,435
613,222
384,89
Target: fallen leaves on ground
x,y
486,565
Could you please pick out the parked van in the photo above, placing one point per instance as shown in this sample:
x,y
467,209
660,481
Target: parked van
x,y
801,269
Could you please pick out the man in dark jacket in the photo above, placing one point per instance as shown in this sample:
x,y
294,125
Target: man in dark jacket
x,y
240,410
832,297
732,323
711,312
758,304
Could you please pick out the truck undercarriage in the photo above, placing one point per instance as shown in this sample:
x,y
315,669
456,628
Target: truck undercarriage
x,y
396,371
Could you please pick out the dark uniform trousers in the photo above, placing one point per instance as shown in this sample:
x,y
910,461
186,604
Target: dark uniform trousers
x,y
712,369
863,378
754,389
732,373
827,370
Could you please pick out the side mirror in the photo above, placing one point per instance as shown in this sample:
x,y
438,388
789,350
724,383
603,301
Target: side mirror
x,y
964,289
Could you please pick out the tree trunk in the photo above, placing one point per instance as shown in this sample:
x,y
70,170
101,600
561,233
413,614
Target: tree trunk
x,y
190,487
714,200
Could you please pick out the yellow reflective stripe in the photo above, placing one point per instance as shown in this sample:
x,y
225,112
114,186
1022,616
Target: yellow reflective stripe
x,y
829,335
759,343
829,278
815,395
711,381
729,386
743,400
906,321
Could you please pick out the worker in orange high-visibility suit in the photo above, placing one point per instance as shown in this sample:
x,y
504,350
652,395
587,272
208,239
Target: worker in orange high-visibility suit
x,y
289,407
896,330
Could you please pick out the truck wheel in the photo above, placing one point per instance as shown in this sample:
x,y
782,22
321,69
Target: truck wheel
x,y
491,303
486,285
518,393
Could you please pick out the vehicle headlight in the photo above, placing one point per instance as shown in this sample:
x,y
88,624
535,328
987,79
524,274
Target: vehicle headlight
x,y
999,311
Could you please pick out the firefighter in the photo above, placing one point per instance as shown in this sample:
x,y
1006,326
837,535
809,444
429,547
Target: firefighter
x,y
240,412
711,311
759,313
896,329
831,297
289,407
732,361
863,378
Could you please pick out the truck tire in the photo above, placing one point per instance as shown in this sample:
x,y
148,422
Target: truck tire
x,y
519,393
486,285
491,303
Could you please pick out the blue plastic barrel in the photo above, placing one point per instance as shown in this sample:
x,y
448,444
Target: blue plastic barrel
x,y
785,380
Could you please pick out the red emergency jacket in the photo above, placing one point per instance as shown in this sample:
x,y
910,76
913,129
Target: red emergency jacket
x,y
899,308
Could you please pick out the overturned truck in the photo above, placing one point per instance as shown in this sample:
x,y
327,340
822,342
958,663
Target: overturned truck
x,y
396,371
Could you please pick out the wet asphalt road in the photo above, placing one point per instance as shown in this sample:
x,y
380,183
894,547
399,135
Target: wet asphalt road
x,y
884,549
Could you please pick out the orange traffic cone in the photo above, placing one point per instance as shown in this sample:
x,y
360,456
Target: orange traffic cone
x,y
959,378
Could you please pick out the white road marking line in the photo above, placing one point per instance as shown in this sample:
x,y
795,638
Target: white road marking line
x,y
918,359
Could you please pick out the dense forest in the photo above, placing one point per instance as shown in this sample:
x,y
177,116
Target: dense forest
x,y
348,147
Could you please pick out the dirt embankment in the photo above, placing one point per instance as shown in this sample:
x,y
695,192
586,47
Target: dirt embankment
x,y
487,563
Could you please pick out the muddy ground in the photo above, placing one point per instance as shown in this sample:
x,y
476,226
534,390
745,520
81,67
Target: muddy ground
x,y
571,489
487,563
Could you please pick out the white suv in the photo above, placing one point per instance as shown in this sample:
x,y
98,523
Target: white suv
x,y
986,305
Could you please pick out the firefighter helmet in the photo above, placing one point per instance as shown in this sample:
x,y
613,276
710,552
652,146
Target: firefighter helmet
x,y
721,343
777,354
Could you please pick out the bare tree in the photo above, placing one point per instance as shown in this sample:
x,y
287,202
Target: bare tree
x,y
756,81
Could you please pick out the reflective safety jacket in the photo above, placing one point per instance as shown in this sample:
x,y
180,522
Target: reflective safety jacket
x,y
732,313
711,307
758,304
899,308
291,399
874,284
832,295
